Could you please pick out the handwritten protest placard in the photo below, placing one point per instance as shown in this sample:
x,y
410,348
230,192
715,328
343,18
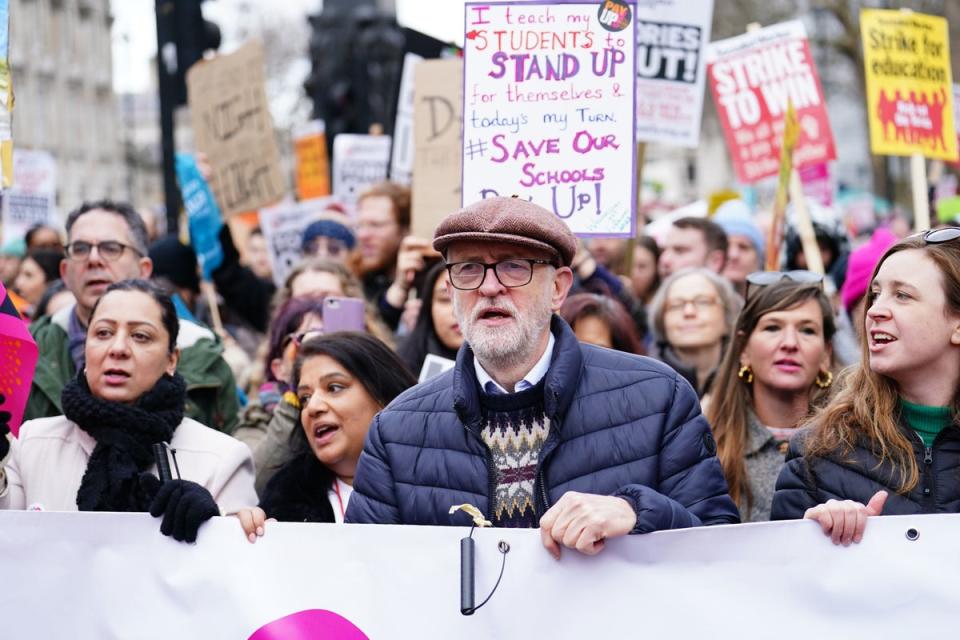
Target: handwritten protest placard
x,y
401,156
283,226
437,121
313,165
549,109
32,198
672,37
18,358
906,57
752,77
358,162
232,125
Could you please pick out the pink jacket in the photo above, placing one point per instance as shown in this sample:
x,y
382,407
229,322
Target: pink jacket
x,y
47,462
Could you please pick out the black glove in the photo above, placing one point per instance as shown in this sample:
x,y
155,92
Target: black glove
x,y
184,506
4,429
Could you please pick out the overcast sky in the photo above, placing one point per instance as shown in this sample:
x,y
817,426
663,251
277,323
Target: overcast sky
x,y
135,30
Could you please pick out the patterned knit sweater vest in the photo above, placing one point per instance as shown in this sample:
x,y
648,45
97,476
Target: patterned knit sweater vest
x,y
514,427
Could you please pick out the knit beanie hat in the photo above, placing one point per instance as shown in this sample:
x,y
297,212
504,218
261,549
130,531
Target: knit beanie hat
x,y
860,267
735,219
328,228
176,262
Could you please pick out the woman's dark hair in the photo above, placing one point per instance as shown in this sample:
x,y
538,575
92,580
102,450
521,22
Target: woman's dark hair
x,y
623,331
423,339
370,361
168,313
648,243
287,318
49,262
53,288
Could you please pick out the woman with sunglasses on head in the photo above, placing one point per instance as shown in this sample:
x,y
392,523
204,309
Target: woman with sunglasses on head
x,y
692,317
342,381
126,401
888,443
776,369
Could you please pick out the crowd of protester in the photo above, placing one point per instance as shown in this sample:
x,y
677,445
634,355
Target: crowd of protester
x,y
589,388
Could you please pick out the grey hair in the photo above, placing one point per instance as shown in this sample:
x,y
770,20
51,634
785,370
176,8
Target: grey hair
x,y
138,230
731,301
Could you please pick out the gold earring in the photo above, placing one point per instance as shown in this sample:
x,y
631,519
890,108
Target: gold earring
x,y
746,374
826,381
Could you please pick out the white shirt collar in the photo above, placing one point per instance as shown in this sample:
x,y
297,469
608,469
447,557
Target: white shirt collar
x,y
534,376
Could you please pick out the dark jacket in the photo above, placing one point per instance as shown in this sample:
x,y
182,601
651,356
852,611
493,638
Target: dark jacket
x,y
243,291
298,492
665,354
807,482
621,425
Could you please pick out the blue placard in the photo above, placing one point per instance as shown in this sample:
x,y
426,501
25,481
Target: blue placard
x,y
203,214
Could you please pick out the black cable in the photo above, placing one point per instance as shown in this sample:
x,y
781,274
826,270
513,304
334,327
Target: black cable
x,y
504,548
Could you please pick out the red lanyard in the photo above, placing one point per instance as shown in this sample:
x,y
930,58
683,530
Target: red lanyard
x,y
336,490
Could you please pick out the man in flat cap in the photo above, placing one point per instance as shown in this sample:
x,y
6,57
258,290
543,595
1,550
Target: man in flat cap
x,y
530,426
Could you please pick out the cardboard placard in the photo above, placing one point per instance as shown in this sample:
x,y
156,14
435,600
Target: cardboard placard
x,y
313,163
32,198
401,155
549,110
232,125
906,57
672,37
358,161
752,78
438,118
18,358
283,226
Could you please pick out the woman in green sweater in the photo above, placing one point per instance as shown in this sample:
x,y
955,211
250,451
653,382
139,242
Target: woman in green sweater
x,y
888,443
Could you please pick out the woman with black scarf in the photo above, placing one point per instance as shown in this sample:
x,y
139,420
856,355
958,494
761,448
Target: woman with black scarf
x,y
99,455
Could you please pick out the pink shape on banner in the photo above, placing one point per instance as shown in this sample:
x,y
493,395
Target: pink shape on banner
x,y
18,357
311,624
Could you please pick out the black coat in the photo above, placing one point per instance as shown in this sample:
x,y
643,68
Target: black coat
x,y
807,482
298,492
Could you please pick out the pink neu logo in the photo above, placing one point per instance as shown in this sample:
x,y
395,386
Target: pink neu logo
x,y
312,624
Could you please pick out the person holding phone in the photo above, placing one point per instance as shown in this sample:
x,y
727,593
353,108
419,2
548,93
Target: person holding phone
x,y
341,380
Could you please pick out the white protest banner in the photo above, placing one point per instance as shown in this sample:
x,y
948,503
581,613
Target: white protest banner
x,y
753,77
89,575
358,161
283,226
549,109
401,155
672,37
32,198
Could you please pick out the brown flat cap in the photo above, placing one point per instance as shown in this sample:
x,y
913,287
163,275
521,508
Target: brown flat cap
x,y
510,220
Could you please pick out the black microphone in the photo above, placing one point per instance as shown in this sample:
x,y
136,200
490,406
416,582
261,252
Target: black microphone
x,y
467,576
163,462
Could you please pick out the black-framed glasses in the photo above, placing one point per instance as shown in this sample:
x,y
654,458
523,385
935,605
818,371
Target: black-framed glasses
x,y
109,250
939,236
759,279
299,338
515,272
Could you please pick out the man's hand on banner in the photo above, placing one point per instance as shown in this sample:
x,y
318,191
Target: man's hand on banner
x,y
583,521
845,520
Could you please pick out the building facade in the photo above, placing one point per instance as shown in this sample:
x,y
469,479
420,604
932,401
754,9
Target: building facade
x,y
60,54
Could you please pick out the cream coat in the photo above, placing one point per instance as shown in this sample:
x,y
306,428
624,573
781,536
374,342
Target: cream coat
x,y
48,459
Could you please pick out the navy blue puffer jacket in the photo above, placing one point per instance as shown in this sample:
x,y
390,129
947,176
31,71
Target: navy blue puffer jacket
x,y
620,425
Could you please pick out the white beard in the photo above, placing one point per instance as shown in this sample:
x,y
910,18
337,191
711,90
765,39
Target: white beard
x,y
503,348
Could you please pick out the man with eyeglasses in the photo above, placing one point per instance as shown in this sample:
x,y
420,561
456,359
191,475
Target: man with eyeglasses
x,y
107,243
530,426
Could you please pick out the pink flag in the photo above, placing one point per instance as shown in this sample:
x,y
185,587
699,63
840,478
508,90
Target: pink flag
x,y
18,357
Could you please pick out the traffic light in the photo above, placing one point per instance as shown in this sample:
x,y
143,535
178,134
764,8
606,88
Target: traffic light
x,y
184,35
356,57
